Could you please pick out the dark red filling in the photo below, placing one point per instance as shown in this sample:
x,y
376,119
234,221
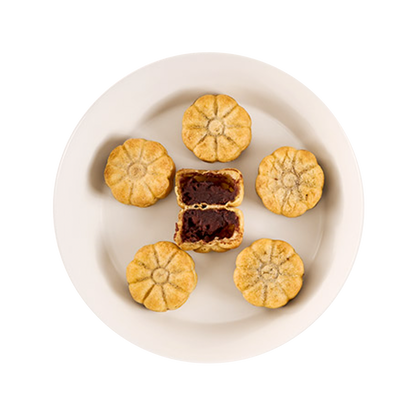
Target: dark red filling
x,y
209,189
207,224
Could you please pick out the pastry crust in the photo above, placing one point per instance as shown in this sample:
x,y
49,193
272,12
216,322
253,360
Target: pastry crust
x,y
161,276
139,172
269,273
216,129
218,244
290,181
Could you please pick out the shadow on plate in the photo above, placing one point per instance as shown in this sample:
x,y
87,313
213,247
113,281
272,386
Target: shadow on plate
x,y
116,280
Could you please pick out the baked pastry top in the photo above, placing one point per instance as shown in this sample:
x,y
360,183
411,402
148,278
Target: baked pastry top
x,y
290,181
216,129
269,273
139,172
209,220
161,276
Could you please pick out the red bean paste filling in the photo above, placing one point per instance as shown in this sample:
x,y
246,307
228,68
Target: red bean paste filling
x,y
207,224
208,189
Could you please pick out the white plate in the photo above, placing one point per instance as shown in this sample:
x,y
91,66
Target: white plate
x,y
98,236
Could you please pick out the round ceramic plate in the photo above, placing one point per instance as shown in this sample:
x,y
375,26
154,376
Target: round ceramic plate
x,y
98,236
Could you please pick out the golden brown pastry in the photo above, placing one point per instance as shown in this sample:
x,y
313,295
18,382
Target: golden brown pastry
x,y
216,128
161,276
139,172
290,181
269,273
209,220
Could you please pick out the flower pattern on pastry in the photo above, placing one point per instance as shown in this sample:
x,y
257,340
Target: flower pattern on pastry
x,y
216,129
290,181
139,172
161,276
269,273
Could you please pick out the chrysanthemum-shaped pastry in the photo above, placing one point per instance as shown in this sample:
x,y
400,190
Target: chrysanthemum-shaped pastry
x,y
269,273
290,181
161,276
139,172
216,128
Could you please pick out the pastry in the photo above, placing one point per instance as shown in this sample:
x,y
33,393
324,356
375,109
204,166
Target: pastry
x,y
290,181
139,172
209,220
269,273
209,229
216,129
161,276
197,187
